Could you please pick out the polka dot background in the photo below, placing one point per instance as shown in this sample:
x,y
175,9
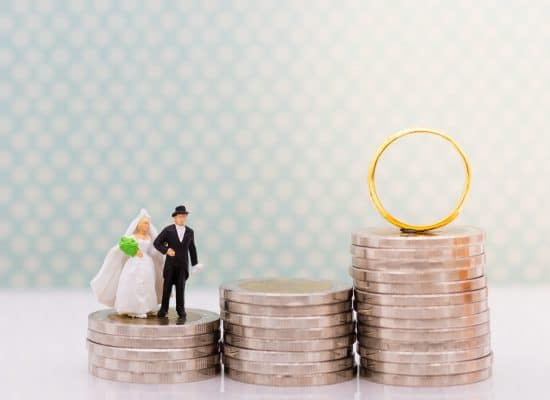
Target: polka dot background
x,y
262,118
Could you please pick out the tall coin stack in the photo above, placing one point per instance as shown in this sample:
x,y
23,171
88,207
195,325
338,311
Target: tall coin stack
x,y
154,350
287,332
421,302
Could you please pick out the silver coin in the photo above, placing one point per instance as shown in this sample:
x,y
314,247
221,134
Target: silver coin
x,y
197,322
328,378
289,333
435,380
285,311
418,300
457,310
285,292
416,266
458,367
389,237
289,345
168,342
440,323
172,377
122,353
437,253
395,345
298,368
423,335
418,357
422,287
154,366
286,356
258,321
457,274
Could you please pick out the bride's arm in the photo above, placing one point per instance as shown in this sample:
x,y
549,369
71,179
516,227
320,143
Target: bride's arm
x,y
151,249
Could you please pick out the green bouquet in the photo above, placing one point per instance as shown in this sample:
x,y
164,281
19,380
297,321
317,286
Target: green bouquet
x,y
128,245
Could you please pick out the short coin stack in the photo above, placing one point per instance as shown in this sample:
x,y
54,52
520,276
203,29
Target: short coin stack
x,y
421,302
154,350
288,332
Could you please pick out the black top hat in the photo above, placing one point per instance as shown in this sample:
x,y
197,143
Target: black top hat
x,y
180,210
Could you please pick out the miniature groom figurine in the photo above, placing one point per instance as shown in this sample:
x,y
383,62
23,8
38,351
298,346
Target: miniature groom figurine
x,y
177,241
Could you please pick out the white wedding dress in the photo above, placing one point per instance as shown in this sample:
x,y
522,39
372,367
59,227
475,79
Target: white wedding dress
x,y
136,292
131,285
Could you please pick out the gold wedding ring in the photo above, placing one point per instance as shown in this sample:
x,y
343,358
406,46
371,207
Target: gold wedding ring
x,y
390,218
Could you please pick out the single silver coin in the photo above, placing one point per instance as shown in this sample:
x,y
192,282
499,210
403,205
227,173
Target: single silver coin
x,y
122,353
390,237
298,368
197,322
168,342
290,333
285,292
289,345
453,345
424,335
424,356
457,274
416,266
457,310
155,366
435,380
286,356
436,253
328,378
419,300
285,311
439,323
268,322
427,287
458,367
170,377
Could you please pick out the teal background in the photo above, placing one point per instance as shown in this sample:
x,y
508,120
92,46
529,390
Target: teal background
x,y
262,118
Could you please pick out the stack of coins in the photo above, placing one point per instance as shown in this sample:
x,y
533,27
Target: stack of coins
x,y
288,332
421,302
154,350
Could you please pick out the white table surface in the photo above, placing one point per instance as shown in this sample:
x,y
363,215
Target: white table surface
x,y
43,354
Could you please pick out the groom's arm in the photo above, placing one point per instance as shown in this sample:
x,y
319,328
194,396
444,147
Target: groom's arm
x,y
193,250
159,242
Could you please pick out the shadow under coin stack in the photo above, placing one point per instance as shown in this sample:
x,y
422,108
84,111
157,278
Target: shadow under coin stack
x,y
421,302
154,350
287,332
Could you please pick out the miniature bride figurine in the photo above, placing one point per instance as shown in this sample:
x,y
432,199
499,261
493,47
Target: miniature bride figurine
x,y
130,279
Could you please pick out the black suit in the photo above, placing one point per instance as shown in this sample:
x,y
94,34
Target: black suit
x,y
176,268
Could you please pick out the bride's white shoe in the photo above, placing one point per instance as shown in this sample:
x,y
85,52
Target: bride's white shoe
x,y
138,315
